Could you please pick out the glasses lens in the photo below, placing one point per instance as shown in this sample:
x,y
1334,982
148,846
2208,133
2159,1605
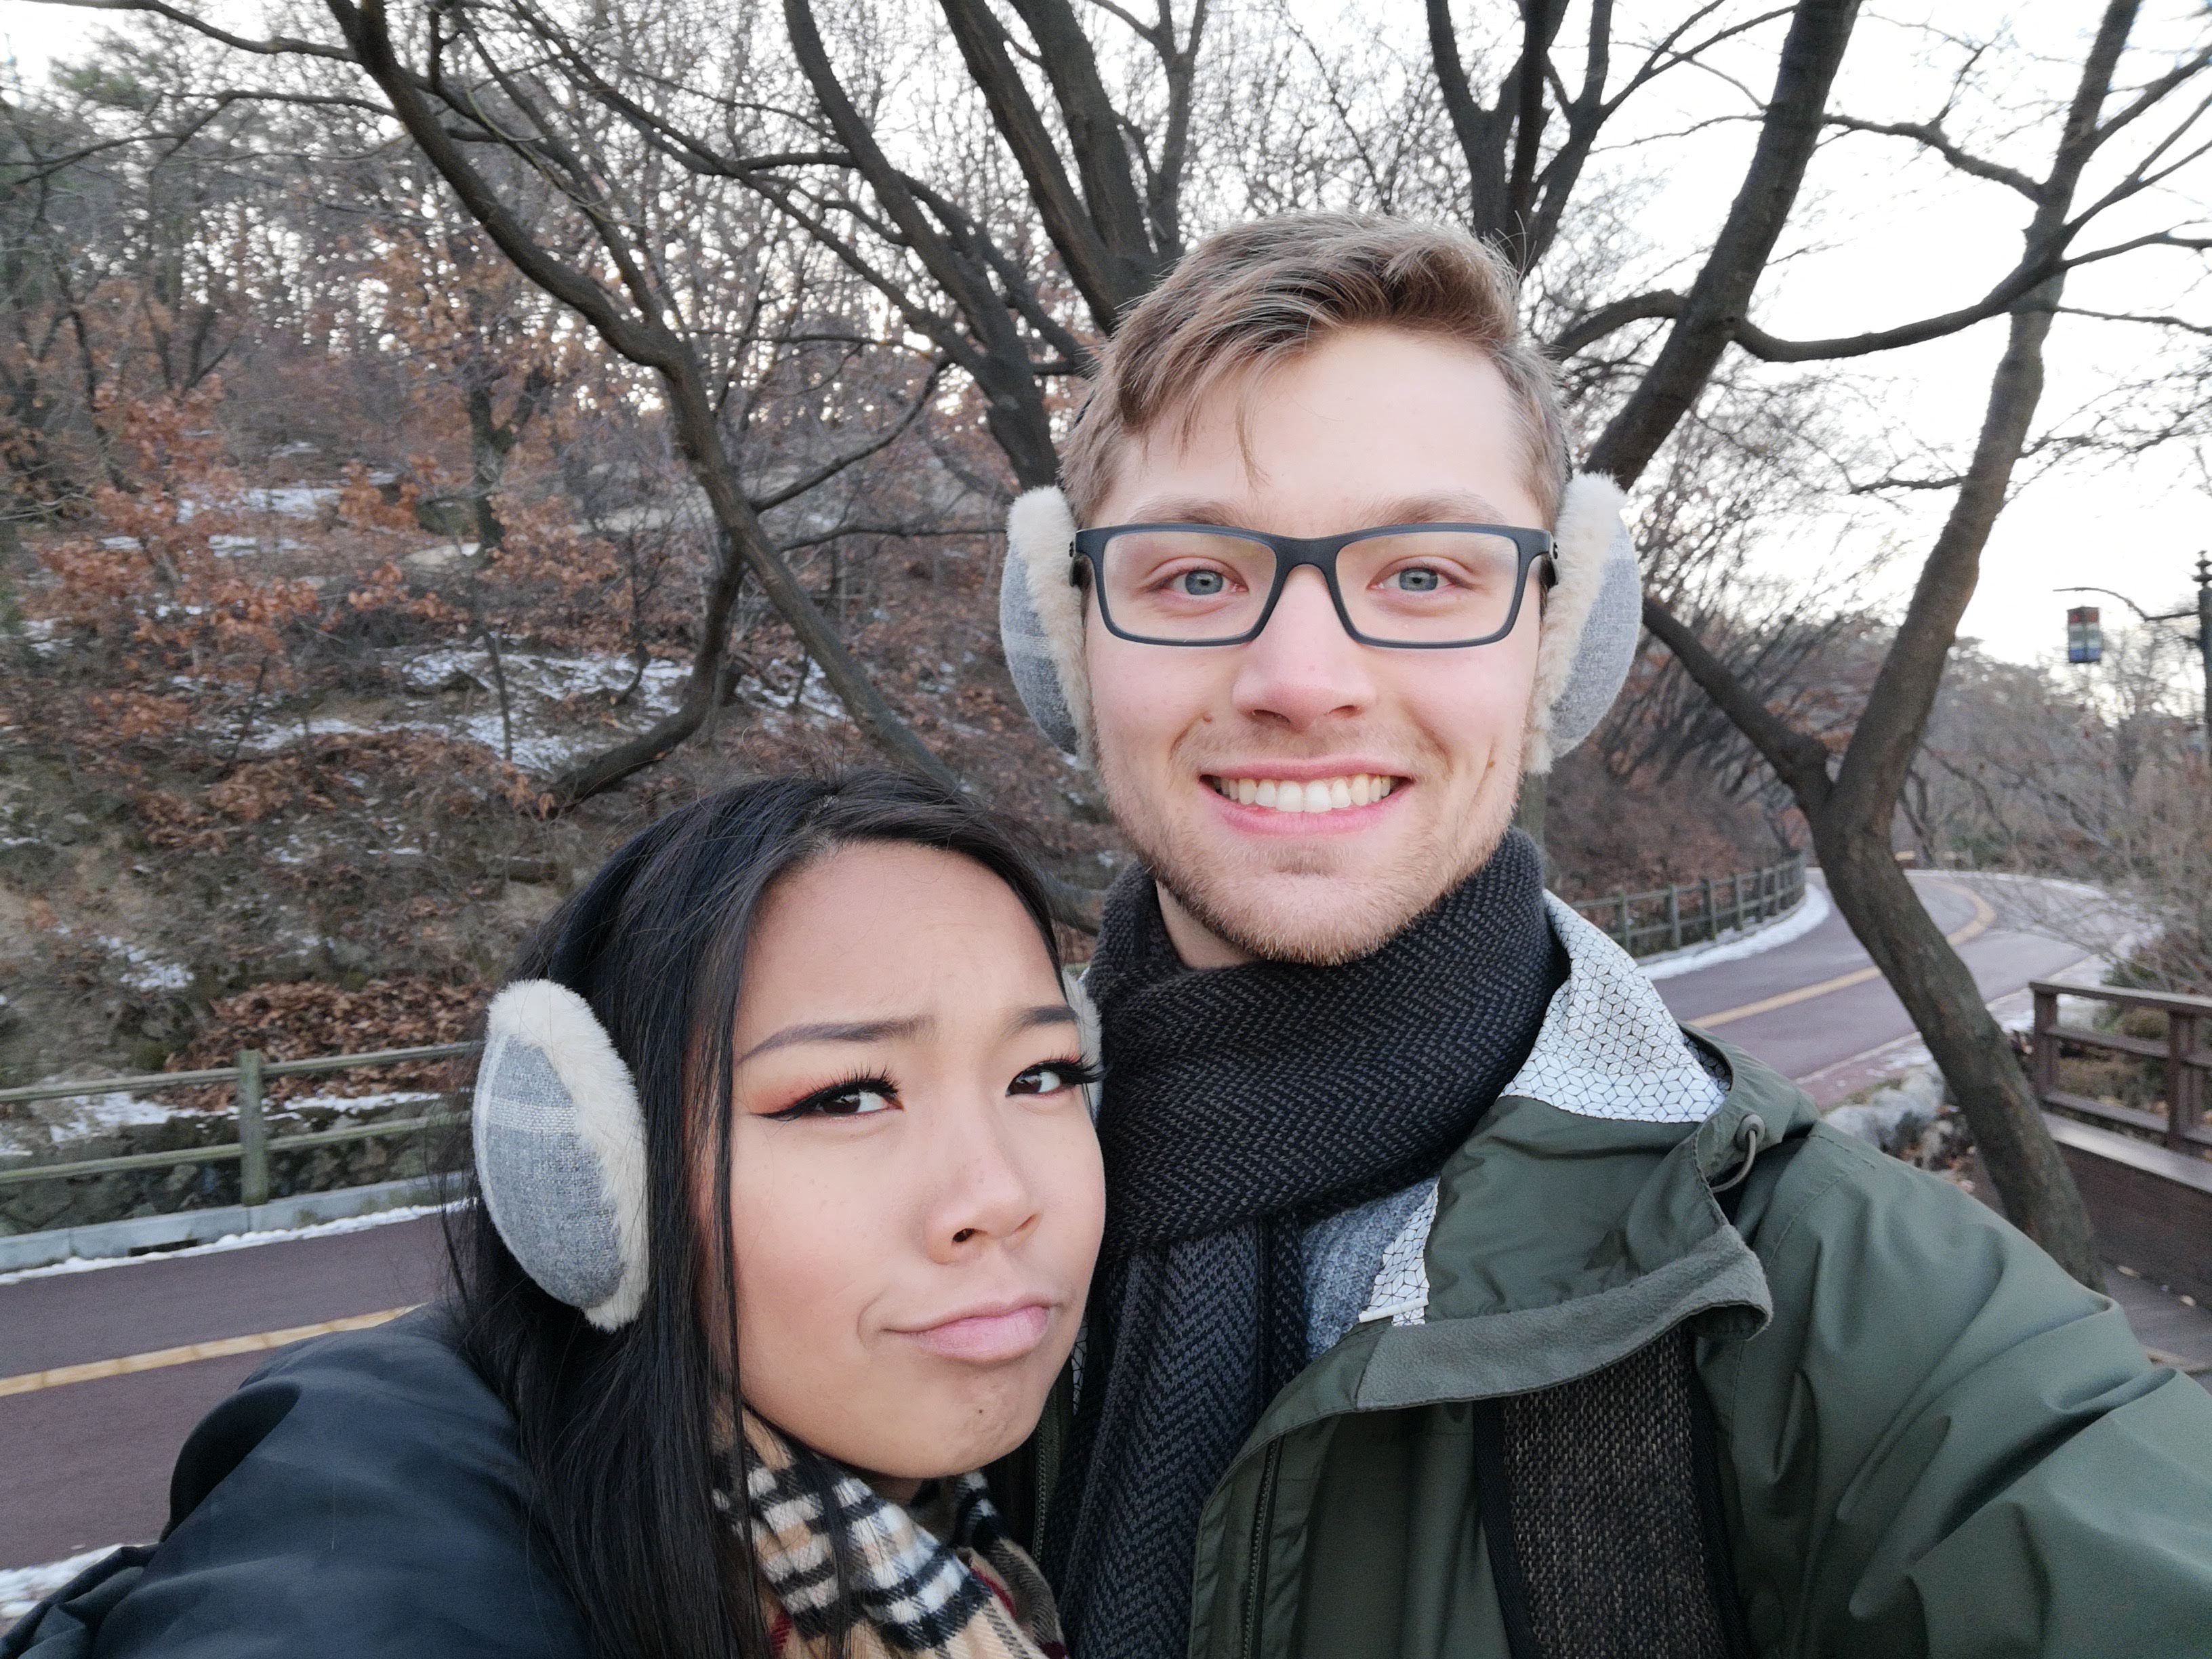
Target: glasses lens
x,y
1429,586
1185,585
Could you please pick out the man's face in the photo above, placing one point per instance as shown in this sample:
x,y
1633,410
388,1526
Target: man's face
x,y
1370,427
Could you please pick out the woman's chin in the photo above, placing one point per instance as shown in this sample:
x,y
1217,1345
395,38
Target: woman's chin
x,y
944,1437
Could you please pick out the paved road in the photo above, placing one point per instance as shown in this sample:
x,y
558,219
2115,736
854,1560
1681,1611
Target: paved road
x,y
1811,1006
85,1463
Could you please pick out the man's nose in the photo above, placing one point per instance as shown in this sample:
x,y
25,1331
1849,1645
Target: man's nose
x,y
1303,669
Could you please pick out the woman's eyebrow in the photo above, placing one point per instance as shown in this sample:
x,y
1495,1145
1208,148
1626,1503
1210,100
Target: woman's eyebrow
x,y
859,1030
1045,1013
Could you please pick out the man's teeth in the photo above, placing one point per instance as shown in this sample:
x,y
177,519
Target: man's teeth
x,y
1321,795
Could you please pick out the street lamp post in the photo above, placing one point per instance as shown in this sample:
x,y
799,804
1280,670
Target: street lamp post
x,y
2202,616
2204,641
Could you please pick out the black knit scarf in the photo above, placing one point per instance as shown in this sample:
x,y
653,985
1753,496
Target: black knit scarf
x,y
1241,1105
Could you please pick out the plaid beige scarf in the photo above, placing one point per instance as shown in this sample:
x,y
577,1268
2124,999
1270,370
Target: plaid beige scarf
x,y
941,1579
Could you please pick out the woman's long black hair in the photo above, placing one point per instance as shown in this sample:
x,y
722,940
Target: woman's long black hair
x,y
623,1432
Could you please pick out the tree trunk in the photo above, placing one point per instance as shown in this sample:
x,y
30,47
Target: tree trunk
x,y
487,465
1967,1044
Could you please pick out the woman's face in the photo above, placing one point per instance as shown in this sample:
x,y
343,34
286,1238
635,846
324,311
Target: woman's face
x,y
916,1193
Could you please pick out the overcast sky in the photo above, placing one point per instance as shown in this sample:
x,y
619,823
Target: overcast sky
x,y
1887,236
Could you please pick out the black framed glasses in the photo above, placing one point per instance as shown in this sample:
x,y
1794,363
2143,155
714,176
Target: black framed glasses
x,y
1413,587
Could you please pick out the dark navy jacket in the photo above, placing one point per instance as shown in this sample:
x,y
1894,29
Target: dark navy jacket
x,y
361,1494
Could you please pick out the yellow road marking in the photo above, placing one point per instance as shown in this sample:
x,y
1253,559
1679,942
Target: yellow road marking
x,y
92,1370
1984,916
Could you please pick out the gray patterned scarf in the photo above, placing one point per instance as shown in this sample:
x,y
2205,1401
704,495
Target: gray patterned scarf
x,y
1241,1105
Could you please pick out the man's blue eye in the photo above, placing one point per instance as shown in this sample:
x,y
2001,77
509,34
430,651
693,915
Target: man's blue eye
x,y
1419,581
1202,584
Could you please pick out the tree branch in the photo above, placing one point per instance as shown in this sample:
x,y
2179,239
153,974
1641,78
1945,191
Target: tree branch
x,y
830,469
1714,309
1931,134
1587,330
1799,759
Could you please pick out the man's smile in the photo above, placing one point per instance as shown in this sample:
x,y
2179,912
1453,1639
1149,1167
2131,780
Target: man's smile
x,y
1335,792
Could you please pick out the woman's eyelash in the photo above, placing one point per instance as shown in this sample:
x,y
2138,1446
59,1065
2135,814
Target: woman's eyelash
x,y
1071,1073
817,1104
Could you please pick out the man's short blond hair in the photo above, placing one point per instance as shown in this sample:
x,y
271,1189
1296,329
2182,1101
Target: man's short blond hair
x,y
1245,299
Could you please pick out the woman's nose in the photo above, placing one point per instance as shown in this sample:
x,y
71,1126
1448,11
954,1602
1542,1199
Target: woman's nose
x,y
986,1195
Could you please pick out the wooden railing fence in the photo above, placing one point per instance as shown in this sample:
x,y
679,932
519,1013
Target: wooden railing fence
x,y
2185,1053
254,1145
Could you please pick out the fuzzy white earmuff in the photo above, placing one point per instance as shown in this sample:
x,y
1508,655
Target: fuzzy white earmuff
x,y
1591,621
1041,620
560,1150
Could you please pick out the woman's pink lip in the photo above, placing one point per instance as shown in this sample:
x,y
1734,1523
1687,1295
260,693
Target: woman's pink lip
x,y
1008,1333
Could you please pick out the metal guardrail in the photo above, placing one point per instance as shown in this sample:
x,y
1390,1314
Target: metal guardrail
x,y
2185,1053
254,1143
1690,913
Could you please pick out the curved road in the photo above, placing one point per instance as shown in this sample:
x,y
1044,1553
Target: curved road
x,y
1816,1009
102,1373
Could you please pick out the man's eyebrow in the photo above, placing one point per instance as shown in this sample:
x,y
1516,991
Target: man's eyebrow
x,y
1444,507
1186,509
859,1030
1441,507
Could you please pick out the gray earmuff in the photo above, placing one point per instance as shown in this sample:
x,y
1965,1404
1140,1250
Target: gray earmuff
x,y
1592,620
560,1150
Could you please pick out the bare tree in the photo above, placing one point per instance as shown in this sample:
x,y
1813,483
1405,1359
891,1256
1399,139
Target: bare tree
x,y
1850,801
498,102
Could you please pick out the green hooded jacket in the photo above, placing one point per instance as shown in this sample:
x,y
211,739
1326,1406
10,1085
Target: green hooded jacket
x,y
1932,1442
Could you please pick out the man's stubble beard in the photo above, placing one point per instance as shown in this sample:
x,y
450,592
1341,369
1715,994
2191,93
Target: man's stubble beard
x,y
1208,891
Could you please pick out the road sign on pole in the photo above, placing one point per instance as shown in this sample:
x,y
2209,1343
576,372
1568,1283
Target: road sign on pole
x,y
2085,639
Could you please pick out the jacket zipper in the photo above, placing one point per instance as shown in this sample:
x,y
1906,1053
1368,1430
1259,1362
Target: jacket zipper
x,y
1048,1465
1262,1522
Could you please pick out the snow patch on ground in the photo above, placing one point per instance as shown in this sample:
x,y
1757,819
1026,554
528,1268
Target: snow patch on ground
x,y
97,1112
81,1117
1812,910
288,501
144,971
22,1588
535,681
352,1223
37,632
234,546
1918,1093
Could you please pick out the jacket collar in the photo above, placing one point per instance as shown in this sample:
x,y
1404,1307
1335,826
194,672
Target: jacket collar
x,y
1579,1220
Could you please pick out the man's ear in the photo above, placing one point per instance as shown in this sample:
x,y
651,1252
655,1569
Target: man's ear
x,y
1591,621
1041,620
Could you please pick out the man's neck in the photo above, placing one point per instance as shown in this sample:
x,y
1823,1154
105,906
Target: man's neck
x,y
1199,945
